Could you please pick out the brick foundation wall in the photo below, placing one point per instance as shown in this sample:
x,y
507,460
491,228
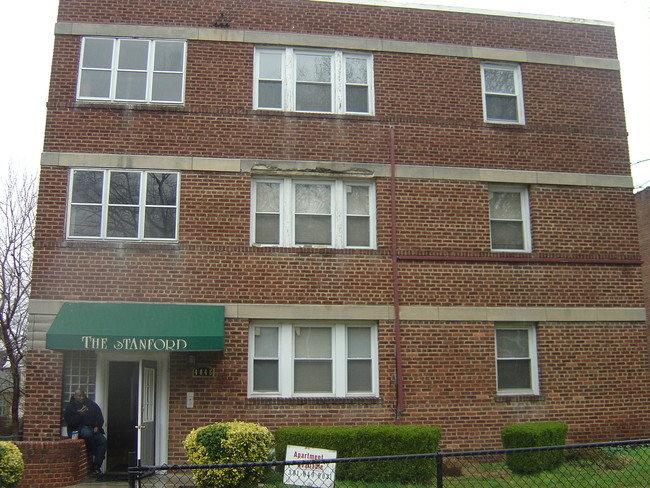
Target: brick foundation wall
x,y
51,464
44,377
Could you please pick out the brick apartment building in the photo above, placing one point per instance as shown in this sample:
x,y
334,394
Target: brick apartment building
x,y
307,212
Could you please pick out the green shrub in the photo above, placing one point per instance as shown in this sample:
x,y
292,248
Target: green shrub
x,y
534,434
11,464
228,442
370,441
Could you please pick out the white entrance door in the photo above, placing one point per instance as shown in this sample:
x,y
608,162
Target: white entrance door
x,y
147,413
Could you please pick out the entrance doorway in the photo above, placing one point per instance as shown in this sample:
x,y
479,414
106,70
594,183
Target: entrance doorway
x,y
122,414
130,422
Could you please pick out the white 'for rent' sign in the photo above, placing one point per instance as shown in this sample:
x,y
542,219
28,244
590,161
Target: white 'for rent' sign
x,y
314,474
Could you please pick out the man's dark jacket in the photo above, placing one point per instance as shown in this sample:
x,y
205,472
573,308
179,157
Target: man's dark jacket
x,y
75,420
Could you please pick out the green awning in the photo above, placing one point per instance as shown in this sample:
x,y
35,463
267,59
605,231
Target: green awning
x,y
137,327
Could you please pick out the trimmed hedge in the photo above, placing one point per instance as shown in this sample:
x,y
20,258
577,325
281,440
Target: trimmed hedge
x,y
370,441
11,464
534,434
228,442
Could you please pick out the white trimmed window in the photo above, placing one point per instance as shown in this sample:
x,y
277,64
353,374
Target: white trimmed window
x,y
330,213
132,70
313,359
503,100
509,218
299,80
516,359
119,204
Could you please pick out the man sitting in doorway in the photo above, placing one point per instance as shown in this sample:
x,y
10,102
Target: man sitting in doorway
x,y
84,416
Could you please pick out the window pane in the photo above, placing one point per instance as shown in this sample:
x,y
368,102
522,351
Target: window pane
x,y
168,56
122,222
356,99
358,231
266,342
167,87
95,84
267,229
513,374
161,188
512,343
131,85
98,53
313,342
270,66
358,342
87,186
507,235
505,205
500,81
359,376
267,197
313,199
313,230
160,223
312,377
124,188
357,198
501,107
313,67
356,71
269,94
85,220
133,55
265,375
313,97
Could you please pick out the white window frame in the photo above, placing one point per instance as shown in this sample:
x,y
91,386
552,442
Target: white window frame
x,y
142,205
338,211
150,71
338,80
531,329
340,358
519,93
522,191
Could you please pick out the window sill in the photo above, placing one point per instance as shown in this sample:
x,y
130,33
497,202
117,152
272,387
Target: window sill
x,y
313,401
519,398
504,125
83,243
104,104
318,115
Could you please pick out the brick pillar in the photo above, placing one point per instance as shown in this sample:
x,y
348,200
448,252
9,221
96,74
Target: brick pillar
x,y
43,386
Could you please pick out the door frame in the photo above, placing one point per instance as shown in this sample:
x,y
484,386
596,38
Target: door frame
x,y
162,392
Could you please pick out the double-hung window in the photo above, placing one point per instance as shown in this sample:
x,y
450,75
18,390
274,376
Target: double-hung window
x,y
503,100
509,218
516,359
330,213
313,359
119,204
132,70
299,80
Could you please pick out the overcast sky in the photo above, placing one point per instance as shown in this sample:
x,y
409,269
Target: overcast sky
x,y
26,37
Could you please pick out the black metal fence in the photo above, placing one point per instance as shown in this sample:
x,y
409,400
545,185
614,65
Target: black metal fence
x,y
611,464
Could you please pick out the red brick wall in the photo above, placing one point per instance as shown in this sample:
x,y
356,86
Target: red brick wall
x,y
353,20
50,464
587,372
213,261
575,114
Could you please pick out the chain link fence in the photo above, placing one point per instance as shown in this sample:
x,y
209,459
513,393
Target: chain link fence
x,y
612,464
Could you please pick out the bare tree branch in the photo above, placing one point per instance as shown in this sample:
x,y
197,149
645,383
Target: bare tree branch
x,y
17,218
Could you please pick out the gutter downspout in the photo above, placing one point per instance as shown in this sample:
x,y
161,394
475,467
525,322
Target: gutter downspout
x,y
399,387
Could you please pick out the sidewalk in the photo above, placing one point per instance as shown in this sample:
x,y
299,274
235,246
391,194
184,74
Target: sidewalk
x,y
92,482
